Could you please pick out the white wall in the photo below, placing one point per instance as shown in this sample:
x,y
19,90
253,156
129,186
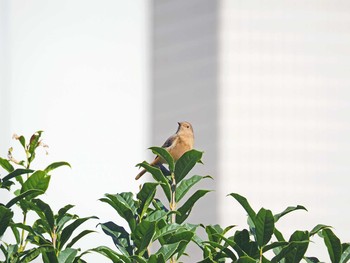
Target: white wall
x,y
285,111
78,70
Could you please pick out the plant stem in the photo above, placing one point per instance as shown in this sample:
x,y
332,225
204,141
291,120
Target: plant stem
x,y
173,207
22,245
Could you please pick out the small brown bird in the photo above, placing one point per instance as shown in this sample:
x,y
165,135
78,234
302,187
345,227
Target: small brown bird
x,y
181,142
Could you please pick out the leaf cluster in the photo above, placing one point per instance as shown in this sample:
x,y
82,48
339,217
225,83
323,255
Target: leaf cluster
x,y
155,229
51,236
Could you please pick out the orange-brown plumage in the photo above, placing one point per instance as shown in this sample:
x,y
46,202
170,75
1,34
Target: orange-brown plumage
x,y
179,143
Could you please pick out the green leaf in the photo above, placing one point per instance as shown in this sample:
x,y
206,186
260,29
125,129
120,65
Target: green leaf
x,y
246,259
333,245
163,232
45,213
146,195
186,208
33,144
39,180
287,250
186,185
212,231
56,165
156,215
68,230
62,212
312,260
34,253
111,254
220,250
278,235
6,165
159,177
165,155
168,250
5,218
275,245
78,237
124,205
185,164
23,195
15,173
288,210
345,256
244,203
298,252
120,236
143,235
318,228
244,246
156,259
264,223
67,256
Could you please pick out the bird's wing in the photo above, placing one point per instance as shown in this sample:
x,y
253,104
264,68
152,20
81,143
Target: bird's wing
x,y
169,142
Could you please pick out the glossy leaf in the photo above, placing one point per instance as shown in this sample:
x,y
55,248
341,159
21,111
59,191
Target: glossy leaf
x,y
164,154
333,245
298,252
16,173
318,228
79,236
278,235
186,208
121,203
112,255
45,212
68,230
274,245
33,253
156,259
6,165
285,251
33,144
23,195
345,256
312,260
246,259
246,246
55,165
168,250
62,212
146,195
143,235
288,210
67,256
186,184
120,237
159,177
38,180
244,203
264,223
185,164
5,218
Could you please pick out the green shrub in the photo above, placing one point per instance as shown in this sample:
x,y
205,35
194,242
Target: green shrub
x,y
157,230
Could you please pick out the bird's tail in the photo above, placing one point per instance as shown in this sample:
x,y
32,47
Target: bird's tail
x,y
140,174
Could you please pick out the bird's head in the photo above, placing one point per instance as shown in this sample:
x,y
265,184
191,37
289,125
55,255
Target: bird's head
x,y
185,127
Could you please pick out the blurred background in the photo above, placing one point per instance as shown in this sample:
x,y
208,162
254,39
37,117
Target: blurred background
x,y
265,84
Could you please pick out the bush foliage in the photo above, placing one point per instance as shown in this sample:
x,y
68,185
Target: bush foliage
x,y
157,230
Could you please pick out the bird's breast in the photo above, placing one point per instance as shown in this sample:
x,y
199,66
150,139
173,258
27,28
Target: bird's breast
x,y
183,145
